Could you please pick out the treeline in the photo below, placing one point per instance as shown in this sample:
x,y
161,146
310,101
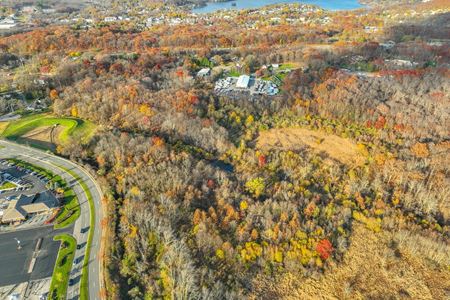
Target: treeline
x,y
196,209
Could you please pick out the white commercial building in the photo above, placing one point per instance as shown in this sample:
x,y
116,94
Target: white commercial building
x,y
7,24
243,81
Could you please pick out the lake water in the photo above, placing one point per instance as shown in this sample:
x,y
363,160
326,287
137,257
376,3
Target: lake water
x,y
244,4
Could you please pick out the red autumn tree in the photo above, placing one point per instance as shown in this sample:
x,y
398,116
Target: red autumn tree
x,y
210,183
381,121
324,248
262,160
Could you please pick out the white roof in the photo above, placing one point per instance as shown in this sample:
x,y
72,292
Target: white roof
x,y
203,72
243,81
14,296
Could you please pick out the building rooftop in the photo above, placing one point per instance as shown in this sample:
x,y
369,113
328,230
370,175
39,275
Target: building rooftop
x,y
243,81
204,72
19,208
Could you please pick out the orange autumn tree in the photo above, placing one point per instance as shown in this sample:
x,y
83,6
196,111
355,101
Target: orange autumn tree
x,y
324,248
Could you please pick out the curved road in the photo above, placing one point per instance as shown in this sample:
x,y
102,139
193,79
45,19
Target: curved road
x,y
59,166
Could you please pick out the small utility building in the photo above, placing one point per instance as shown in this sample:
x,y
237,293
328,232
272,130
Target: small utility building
x,y
204,72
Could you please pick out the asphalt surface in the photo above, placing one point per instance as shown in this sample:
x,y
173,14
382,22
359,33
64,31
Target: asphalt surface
x,y
15,262
57,165
37,185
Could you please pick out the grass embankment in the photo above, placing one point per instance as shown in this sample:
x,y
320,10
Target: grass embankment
x,y
40,130
7,185
3,126
63,266
234,73
84,285
70,210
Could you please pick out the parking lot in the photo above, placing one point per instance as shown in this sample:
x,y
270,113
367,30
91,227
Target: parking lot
x,y
15,263
24,179
24,182
32,290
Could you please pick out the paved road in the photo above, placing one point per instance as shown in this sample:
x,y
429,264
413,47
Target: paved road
x,y
54,164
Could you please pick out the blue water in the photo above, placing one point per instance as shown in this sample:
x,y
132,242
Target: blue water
x,y
244,4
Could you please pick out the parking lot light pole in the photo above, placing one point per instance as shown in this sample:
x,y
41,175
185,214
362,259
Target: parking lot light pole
x,y
18,244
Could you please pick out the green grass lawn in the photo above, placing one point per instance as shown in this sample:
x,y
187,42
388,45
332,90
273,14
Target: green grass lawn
x,y
70,211
7,185
81,129
63,266
289,66
234,73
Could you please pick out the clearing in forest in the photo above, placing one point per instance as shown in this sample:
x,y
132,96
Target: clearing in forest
x,y
383,264
45,131
338,148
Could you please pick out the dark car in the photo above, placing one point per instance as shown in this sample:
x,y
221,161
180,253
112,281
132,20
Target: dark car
x,y
77,260
84,230
71,281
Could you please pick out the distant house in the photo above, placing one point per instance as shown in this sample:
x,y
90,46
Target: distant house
x,y
388,45
20,209
110,19
7,24
371,29
29,9
49,10
154,21
401,63
243,81
204,72
438,42
14,296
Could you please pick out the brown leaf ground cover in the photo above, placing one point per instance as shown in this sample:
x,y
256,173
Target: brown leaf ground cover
x,y
377,266
338,148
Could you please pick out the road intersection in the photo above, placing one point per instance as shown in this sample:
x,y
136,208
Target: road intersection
x,y
67,170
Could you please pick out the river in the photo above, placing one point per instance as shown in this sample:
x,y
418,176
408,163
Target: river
x,y
244,4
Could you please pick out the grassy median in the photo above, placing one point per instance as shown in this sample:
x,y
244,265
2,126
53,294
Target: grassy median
x,y
84,285
63,266
69,212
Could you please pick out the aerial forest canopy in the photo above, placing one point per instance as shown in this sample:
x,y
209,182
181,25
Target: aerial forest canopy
x,y
335,187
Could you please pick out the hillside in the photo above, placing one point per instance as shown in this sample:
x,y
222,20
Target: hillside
x,y
287,152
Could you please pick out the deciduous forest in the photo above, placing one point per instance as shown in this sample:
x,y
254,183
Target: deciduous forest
x,y
337,187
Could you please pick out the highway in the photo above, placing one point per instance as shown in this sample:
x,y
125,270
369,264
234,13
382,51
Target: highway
x,y
59,166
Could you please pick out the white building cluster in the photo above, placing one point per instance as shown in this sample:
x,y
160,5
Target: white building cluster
x,y
8,22
246,83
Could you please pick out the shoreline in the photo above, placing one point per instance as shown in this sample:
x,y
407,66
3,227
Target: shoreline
x,y
363,4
